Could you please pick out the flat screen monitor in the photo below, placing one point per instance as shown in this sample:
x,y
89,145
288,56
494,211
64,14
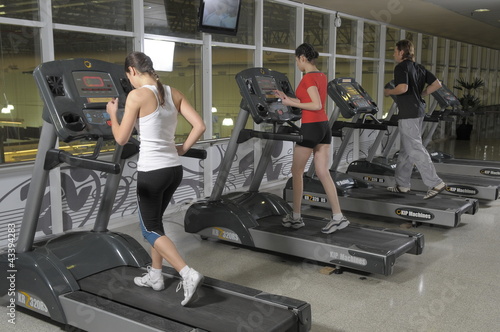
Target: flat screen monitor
x,y
219,16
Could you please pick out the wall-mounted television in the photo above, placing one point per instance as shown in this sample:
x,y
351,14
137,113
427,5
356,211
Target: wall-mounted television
x,y
219,16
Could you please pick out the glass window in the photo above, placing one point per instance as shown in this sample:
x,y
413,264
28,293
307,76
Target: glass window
x,y
26,10
21,116
464,53
226,97
391,38
453,53
171,18
246,26
388,76
279,25
371,38
70,44
346,37
110,14
316,30
411,36
370,77
186,77
426,52
474,57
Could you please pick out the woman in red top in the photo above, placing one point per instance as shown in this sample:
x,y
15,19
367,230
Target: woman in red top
x,y
317,136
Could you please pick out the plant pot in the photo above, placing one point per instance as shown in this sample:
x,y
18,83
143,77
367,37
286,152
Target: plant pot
x,y
464,131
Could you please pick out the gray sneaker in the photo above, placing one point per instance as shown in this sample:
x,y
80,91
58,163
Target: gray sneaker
x,y
288,221
335,225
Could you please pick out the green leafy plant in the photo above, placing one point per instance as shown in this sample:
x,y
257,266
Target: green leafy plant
x,y
469,101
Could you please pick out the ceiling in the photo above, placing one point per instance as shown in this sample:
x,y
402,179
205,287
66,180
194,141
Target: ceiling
x,y
453,19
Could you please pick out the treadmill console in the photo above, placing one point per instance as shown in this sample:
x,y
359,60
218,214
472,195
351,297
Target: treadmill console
x,y
257,86
75,93
446,98
350,97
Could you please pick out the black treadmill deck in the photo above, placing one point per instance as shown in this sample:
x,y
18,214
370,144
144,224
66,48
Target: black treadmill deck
x,y
213,309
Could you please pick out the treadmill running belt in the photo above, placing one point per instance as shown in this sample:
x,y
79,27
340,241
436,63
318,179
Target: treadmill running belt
x,y
214,310
369,239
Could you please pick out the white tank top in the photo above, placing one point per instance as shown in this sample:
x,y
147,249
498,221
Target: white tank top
x,y
156,134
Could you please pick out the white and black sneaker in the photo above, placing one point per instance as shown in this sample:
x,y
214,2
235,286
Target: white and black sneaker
x,y
335,225
289,221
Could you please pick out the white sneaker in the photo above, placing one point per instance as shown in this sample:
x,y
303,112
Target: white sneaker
x,y
335,225
146,281
191,283
436,190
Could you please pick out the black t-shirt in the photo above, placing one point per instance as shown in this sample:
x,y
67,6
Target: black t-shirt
x,y
410,104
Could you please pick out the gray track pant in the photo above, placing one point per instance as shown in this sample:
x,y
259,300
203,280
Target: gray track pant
x,y
412,152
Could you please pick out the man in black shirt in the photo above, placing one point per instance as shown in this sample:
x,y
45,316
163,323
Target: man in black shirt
x,y
410,79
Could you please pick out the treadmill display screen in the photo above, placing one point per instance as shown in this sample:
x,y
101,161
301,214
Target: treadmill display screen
x,y
267,86
98,85
355,95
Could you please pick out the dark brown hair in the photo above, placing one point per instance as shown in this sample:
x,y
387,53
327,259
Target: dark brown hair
x,y
308,51
408,50
143,64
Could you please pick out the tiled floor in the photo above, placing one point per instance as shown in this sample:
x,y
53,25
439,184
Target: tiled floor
x,y
452,286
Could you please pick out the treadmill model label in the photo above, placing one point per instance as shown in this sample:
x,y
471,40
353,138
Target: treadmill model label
x,y
373,179
414,214
340,256
226,235
317,199
31,302
490,171
461,190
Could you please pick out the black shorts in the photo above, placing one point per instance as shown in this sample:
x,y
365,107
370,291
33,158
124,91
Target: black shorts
x,y
315,133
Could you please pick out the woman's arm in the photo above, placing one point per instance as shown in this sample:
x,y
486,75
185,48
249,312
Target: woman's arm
x,y
314,105
190,114
122,131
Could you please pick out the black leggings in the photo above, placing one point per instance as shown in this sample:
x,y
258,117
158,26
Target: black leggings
x,y
154,192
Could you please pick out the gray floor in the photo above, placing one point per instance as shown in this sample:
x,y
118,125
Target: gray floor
x,y
452,286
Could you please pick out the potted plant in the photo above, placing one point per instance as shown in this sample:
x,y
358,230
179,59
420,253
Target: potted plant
x,y
470,104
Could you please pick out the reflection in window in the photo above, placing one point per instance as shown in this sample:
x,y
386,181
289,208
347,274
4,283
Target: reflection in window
x,y
187,78
346,37
371,37
70,44
172,18
388,76
426,52
246,26
227,62
26,10
316,30
370,77
391,38
20,118
279,25
110,14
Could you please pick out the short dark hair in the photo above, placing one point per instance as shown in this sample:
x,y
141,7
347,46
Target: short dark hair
x,y
408,49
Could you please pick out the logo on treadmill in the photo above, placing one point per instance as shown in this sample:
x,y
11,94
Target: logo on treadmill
x,y
87,64
490,171
225,235
31,302
414,214
340,256
373,179
462,190
316,199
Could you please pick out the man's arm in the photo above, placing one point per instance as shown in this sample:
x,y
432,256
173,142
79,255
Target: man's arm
x,y
436,85
398,90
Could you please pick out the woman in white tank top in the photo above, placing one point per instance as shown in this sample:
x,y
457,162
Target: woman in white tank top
x,y
153,109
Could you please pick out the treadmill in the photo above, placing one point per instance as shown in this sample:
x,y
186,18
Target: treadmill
x,y
359,195
253,218
446,163
85,278
381,171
